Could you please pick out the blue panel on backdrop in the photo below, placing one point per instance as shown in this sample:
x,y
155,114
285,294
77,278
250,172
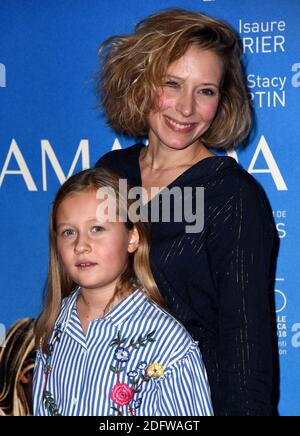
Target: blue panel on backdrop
x,y
49,128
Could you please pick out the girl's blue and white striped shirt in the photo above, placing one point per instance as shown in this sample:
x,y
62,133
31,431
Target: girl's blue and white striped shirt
x,y
136,360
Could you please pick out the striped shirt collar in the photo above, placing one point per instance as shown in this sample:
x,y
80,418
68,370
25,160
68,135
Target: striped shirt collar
x,y
117,315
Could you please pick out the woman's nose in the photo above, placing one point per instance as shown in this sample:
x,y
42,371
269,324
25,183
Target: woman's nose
x,y
185,103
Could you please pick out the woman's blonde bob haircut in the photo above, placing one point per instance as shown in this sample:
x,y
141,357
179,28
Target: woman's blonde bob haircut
x,y
134,66
137,272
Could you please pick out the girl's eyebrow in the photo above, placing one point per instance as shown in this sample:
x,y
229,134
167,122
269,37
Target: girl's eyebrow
x,y
63,224
72,224
90,220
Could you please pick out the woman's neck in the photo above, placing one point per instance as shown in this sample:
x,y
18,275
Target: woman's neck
x,y
160,157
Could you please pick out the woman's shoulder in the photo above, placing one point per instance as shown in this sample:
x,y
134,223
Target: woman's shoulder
x,y
226,175
120,156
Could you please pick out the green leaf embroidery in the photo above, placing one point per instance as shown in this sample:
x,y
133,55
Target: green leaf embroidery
x,y
149,336
114,342
113,369
117,410
50,404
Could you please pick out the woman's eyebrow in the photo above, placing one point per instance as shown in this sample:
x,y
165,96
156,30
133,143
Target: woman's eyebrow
x,y
171,76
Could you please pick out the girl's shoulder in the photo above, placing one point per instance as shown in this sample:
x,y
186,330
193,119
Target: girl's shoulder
x,y
174,344
66,305
69,299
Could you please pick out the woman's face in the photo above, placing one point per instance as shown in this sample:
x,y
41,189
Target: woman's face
x,y
187,101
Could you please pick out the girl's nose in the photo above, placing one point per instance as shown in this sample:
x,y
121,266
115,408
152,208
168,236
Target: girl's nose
x,y
82,245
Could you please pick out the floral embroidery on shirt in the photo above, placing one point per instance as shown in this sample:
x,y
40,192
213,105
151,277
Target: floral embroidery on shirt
x,y
155,370
122,394
50,403
47,396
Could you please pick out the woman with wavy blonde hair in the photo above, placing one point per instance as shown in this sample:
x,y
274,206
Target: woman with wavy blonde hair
x,y
16,369
178,79
105,344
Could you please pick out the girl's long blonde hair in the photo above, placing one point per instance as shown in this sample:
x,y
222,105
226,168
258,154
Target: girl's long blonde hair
x,y
60,284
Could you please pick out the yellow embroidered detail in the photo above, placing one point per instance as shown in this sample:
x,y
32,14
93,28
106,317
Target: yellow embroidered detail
x,y
155,370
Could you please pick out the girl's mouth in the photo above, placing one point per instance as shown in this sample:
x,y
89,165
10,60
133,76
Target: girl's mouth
x,y
85,265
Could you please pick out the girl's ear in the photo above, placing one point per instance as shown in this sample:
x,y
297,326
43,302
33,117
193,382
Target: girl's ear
x,y
134,240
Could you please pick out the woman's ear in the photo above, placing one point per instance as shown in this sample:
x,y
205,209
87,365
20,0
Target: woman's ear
x,y
134,240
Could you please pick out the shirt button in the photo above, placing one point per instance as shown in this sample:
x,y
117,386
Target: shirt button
x,y
75,401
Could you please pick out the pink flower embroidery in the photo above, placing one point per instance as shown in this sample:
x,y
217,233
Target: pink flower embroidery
x,y
121,394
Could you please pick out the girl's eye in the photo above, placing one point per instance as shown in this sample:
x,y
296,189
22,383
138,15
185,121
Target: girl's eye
x,y
68,232
97,229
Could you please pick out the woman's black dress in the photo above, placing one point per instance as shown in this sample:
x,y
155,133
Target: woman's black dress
x,y
217,281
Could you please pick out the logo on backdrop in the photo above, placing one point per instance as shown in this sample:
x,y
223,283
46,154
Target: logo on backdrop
x,y
262,37
2,76
296,336
281,300
267,91
281,318
48,157
296,77
280,217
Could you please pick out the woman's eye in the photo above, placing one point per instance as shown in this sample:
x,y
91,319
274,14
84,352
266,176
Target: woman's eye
x,y
171,84
207,91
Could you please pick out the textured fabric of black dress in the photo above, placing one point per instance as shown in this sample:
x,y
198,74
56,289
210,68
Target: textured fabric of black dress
x,y
217,281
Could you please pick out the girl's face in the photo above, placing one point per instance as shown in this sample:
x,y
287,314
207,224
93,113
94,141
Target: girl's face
x,y
188,100
94,253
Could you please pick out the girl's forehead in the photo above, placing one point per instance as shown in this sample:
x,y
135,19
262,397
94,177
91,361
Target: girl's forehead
x,y
88,205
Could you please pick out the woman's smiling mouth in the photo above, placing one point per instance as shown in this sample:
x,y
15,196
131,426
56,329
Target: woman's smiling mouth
x,y
177,126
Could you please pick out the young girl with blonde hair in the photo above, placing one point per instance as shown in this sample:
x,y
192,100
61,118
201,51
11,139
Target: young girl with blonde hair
x,y
105,344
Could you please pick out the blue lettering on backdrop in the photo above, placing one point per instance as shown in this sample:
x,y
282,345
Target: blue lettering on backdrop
x,y
49,129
